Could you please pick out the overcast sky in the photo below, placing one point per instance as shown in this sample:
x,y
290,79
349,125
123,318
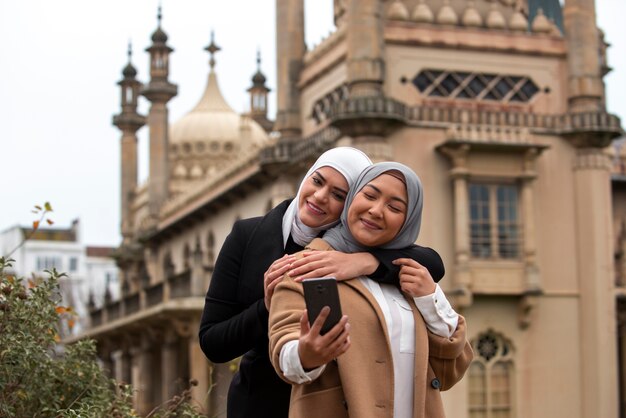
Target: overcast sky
x,y
61,61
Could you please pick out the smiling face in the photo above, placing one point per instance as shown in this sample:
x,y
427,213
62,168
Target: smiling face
x,y
322,197
378,211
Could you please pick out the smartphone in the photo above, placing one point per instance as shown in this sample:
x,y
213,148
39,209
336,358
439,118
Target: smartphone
x,y
322,292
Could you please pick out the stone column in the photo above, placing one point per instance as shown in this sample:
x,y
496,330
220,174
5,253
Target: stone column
x,y
290,48
169,362
143,377
159,166
129,180
533,280
199,371
592,185
581,34
366,67
366,74
282,189
126,366
462,278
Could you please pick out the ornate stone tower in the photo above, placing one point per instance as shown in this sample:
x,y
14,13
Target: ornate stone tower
x,y
128,121
158,91
258,97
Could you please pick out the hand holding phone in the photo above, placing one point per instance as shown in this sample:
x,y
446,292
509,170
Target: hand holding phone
x,y
320,292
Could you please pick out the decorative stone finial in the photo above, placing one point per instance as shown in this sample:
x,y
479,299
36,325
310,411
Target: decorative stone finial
x,y
471,16
398,11
541,24
129,71
212,49
518,21
495,20
447,15
423,13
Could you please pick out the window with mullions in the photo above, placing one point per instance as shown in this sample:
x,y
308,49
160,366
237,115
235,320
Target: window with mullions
x,y
494,221
491,377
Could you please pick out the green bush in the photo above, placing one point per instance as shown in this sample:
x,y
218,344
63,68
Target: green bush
x,y
41,378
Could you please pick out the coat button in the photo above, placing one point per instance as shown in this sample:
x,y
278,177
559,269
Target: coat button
x,y
435,383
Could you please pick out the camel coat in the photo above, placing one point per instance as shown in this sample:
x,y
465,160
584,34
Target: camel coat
x,y
359,384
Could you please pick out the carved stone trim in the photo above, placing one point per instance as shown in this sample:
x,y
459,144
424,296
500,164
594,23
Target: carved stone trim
x,y
592,159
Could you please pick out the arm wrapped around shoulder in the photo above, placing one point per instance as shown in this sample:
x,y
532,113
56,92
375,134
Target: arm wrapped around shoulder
x,y
284,319
450,357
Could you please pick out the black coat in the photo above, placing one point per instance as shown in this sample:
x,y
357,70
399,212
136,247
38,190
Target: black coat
x,y
234,320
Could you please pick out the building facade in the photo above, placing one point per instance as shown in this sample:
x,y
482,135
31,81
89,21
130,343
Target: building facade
x,y
498,105
91,275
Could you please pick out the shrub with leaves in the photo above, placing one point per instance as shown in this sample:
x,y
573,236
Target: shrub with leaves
x,y
38,377
41,378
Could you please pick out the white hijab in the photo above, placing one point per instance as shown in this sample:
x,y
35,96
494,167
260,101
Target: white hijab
x,y
349,162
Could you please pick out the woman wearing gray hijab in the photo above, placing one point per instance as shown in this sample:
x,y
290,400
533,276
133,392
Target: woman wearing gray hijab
x,y
396,347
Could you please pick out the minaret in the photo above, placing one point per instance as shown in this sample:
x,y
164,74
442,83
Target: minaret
x,y
585,78
258,97
129,122
158,91
290,49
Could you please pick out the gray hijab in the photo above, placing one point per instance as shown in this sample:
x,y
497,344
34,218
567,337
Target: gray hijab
x,y
340,238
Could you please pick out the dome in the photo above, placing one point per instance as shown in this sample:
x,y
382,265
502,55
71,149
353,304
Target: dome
x,y
129,71
258,79
213,127
159,36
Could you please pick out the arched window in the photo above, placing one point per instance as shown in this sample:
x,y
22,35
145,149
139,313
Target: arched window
x,y
491,377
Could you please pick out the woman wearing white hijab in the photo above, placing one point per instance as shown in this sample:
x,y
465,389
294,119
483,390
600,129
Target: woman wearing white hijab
x,y
402,344
234,321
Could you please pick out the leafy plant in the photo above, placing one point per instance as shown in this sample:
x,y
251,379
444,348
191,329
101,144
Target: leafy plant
x,y
39,377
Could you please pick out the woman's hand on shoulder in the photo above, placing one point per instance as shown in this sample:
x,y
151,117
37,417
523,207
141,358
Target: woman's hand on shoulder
x,y
341,266
274,275
415,279
315,349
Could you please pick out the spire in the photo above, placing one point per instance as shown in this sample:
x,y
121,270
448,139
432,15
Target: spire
x,y
129,71
258,96
258,79
159,36
212,48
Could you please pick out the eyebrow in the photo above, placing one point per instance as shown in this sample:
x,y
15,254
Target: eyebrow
x,y
324,179
392,197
